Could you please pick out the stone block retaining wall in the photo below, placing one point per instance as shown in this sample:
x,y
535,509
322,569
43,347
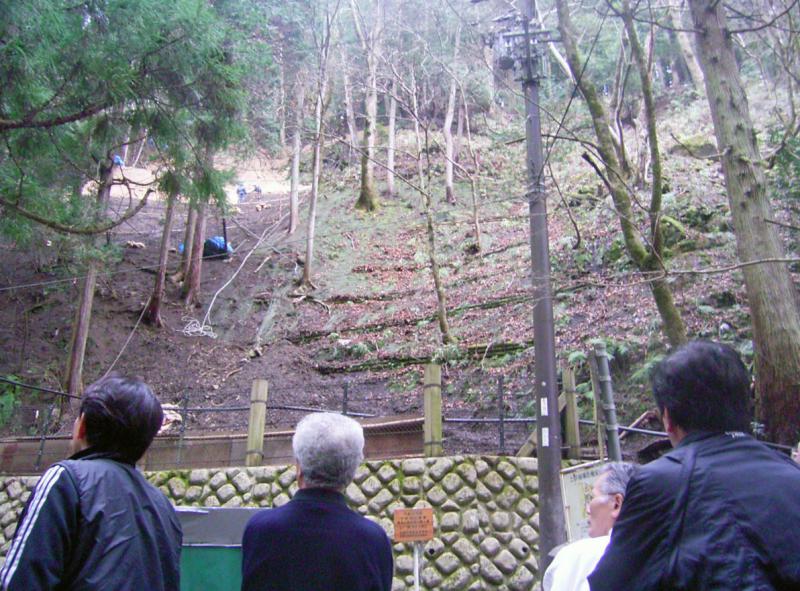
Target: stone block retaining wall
x,y
485,511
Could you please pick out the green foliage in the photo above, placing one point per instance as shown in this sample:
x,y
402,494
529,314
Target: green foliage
x,y
85,78
576,358
642,374
9,399
620,353
447,354
787,168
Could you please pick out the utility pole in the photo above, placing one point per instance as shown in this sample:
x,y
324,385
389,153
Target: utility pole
x,y
552,529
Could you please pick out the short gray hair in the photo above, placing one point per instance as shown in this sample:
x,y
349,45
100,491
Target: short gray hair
x,y
328,447
617,475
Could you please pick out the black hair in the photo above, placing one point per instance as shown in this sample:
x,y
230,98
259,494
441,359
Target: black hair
x,y
705,387
122,416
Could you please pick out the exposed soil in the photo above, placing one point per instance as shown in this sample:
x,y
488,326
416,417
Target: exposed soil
x,y
374,300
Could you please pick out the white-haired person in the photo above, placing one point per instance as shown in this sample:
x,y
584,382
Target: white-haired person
x,y
575,561
315,542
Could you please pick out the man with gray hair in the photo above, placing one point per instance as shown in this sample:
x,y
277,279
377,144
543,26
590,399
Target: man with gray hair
x,y
315,542
576,561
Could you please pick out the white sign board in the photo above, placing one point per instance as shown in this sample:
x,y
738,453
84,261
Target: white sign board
x,y
576,488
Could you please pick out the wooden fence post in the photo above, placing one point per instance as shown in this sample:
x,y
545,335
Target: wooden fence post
x,y
501,414
257,422
607,402
573,435
432,403
599,418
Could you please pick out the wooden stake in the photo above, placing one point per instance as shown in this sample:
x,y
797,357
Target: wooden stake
x,y
573,435
599,417
432,403
256,425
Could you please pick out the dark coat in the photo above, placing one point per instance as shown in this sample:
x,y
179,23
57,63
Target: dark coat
x,y
94,524
315,543
720,511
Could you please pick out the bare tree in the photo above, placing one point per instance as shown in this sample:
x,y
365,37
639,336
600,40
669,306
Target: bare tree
x,y
323,42
390,144
297,144
370,39
686,45
191,278
152,313
647,257
447,127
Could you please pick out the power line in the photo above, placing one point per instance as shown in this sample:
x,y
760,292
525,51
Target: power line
x,y
39,388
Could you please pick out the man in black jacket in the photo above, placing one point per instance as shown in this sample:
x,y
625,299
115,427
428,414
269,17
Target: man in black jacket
x,y
721,510
93,522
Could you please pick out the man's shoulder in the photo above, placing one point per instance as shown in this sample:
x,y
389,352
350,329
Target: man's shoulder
x,y
664,467
369,526
585,547
287,516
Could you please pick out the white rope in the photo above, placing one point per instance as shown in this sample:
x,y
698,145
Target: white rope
x,y
195,328
130,336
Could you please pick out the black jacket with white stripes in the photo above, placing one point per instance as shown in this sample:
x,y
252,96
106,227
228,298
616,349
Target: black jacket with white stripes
x,y
94,523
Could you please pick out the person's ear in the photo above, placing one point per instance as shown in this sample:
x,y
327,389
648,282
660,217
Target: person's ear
x,y
300,477
617,506
666,420
81,430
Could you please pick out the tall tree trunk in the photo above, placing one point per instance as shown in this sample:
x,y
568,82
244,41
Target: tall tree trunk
x,y
417,132
390,149
188,240
320,106
126,145
368,196
621,72
459,131
448,128
687,48
370,44
771,295
297,144
649,156
441,299
152,314
73,380
473,177
142,144
315,174
646,261
282,110
350,113
191,280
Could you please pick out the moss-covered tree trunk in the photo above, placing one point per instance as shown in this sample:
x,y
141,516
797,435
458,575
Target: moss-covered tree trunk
x,y
771,295
646,260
